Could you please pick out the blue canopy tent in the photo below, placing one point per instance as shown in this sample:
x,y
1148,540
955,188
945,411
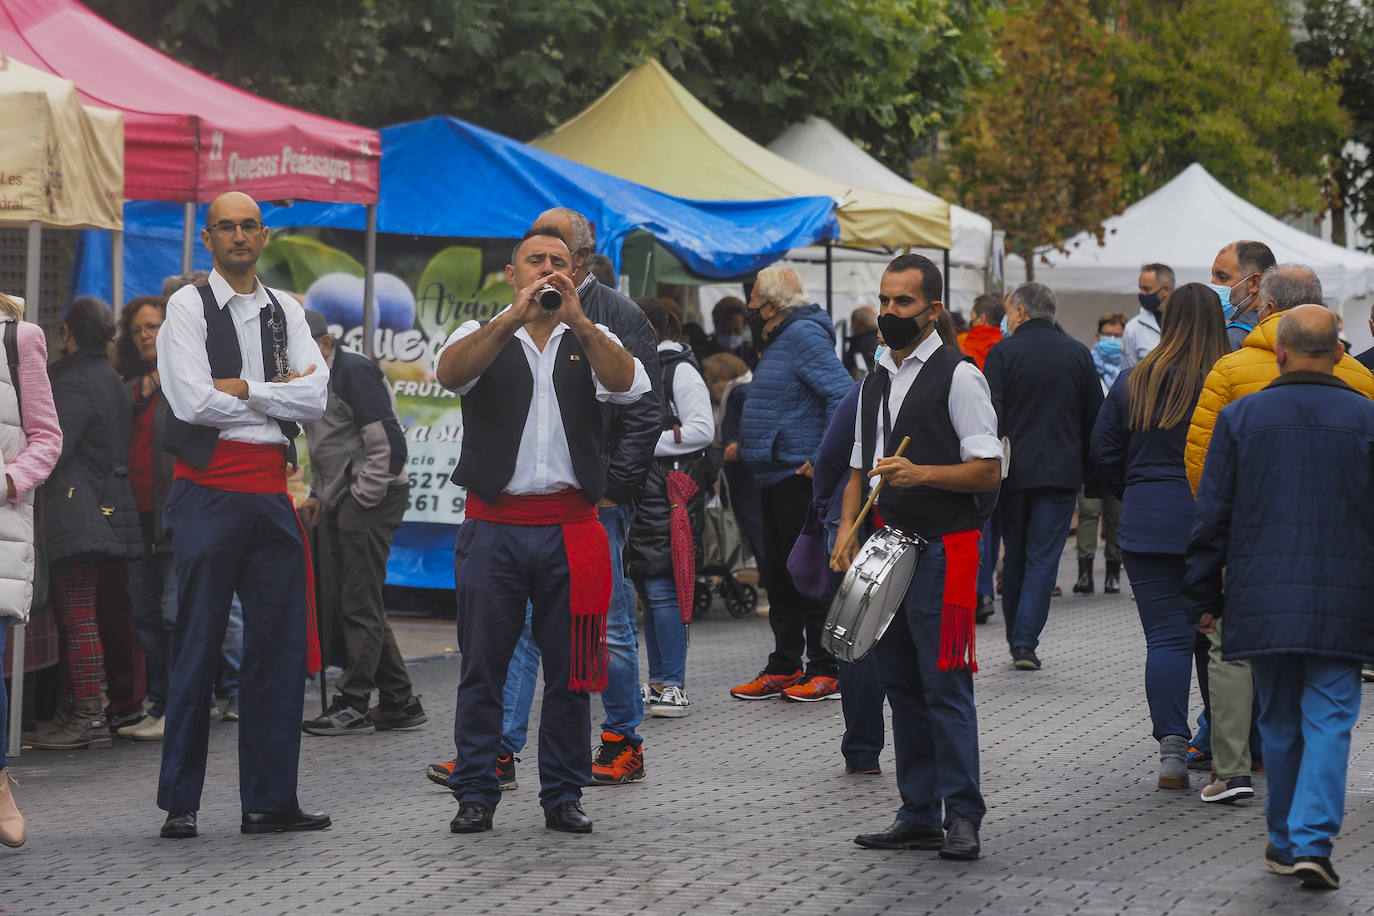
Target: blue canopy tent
x,y
446,177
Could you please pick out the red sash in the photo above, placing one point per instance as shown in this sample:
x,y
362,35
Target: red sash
x,y
589,563
958,609
245,467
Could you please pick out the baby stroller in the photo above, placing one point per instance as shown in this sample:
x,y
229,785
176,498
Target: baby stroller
x,y
722,556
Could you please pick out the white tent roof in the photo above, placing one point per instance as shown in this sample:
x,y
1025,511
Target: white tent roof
x,y
818,145
1184,224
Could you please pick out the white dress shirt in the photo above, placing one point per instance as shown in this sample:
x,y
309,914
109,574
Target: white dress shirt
x,y
184,366
970,406
1140,337
543,463
692,404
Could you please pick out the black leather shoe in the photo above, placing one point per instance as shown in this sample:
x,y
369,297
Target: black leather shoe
x,y
961,842
1084,585
471,818
986,607
283,821
180,825
569,818
1112,586
903,835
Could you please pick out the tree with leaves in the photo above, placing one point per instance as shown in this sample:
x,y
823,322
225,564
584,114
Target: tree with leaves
x,y
1038,149
1338,45
1216,82
888,72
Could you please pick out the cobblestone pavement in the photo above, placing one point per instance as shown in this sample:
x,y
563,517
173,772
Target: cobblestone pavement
x,y
744,810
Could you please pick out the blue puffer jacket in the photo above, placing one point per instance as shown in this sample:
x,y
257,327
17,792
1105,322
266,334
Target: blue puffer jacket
x,y
797,385
1286,505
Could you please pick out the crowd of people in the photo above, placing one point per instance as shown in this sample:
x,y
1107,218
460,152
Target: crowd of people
x,y
1211,439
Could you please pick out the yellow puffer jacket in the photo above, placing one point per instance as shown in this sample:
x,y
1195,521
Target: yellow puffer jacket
x,y
1244,372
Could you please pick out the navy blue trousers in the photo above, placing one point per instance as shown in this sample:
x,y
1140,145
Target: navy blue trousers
x,y
934,724
497,569
250,544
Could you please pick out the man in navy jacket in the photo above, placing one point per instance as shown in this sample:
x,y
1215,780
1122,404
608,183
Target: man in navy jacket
x,y
1290,472
1045,389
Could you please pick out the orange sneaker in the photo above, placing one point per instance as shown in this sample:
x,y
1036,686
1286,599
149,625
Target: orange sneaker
x,y
813,689
440,772
618,761
766,686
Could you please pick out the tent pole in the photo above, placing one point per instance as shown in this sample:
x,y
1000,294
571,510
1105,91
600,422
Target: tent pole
x,y
369,285
31,268
117,270
829,276
188,222
18,633
948,281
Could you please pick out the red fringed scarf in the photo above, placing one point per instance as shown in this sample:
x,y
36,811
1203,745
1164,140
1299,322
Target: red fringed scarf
x,y
589,564
243,467
957,613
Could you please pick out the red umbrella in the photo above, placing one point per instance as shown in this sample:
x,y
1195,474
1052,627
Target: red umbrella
x,y
681,488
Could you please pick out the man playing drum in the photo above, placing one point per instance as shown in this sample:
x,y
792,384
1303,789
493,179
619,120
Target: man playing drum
x,y
936,396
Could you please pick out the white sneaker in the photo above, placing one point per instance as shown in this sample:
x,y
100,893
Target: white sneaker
x,y
650,694
149,729
672,703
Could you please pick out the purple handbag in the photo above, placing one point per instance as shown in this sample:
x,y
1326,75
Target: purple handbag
x,y
809,561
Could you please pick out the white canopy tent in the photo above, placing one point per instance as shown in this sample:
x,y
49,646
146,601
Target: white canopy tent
x,y
1184,224
818,145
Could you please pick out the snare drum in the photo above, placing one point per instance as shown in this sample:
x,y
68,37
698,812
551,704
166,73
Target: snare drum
x,y
871,593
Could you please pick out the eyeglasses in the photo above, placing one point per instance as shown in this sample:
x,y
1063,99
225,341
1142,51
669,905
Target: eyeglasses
x,y
225,227
139,330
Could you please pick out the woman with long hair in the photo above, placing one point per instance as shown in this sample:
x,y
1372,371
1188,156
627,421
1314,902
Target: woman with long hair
x,y
30,442
1138,445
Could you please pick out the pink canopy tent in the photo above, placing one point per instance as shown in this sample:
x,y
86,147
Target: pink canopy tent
x,y
189,137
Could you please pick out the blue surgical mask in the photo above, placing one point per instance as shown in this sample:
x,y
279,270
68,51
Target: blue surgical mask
x,y
1228,308
730,341
879,353
1109,346
1005,332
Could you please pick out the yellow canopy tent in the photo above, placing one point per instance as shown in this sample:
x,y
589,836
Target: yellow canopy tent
x,y
62,166
650,129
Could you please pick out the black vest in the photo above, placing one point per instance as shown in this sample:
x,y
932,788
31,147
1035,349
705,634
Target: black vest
x,y
196,444
495,410
924,416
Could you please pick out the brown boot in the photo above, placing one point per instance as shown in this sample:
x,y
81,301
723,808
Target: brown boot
x,y
84,726
13,830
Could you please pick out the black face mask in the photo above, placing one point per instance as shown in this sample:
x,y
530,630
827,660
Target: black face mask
x,y
1149,302
898,333
754,318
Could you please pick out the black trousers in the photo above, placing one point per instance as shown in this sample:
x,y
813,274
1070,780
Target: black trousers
x,y
354,544
796,620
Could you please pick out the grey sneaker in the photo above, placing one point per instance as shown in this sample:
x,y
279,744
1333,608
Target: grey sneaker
x,y
339,719
672,703
231,710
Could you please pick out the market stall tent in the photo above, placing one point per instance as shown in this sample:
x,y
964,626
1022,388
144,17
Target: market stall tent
x,y
1184,224
61,166
650,129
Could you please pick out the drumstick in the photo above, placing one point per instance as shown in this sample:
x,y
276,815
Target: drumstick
x,y
863,513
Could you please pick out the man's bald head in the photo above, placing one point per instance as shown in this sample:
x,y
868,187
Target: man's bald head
x,y
1308,340
235,201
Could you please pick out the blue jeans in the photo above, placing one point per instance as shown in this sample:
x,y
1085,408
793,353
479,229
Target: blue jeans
x,y
861,695
1035,527
153,593
987,555
1308,706
622,700
231,653
1157,580
665,635
4,697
